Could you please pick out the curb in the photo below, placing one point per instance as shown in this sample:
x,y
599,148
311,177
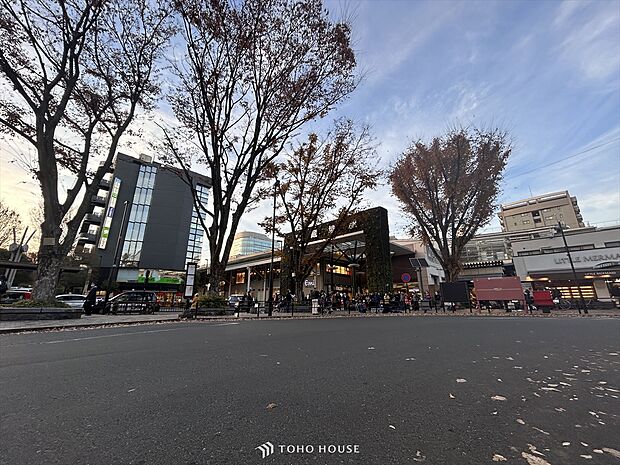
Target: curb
x,y
85,326
203,319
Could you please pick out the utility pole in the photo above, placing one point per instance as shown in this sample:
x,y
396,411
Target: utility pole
x,y
572,267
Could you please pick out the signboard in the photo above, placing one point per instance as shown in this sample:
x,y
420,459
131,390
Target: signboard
x,y
133,275
405,277
109,214
500,288
189,280
455,292
582,259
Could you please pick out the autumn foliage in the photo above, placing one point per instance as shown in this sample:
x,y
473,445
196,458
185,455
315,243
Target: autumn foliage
x,y
449,188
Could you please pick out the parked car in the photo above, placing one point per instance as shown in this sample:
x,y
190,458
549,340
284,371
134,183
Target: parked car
x,y
16,294
133,302
234,300
72,300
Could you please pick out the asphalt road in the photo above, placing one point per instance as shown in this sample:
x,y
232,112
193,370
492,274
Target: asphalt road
x,y
403,390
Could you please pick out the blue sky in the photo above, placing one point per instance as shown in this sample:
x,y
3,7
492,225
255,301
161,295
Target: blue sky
x,y
547,72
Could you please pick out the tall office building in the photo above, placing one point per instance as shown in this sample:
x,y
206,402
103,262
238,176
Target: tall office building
x,y
541,211
161,231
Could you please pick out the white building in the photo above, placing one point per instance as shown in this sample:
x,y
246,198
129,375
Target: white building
x,y
595,253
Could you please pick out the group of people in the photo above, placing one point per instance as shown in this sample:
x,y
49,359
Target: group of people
x,y
374,302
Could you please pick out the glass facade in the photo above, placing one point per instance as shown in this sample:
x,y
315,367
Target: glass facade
x,y
196,233
132,245
247,243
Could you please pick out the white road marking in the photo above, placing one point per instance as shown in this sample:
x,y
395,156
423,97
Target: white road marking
x,y
101,336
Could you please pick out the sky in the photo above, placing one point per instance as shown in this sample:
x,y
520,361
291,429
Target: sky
x,y
547,72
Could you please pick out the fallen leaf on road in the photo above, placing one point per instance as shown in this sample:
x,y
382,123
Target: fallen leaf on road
x,y
498,398
586,456
533,450
498,458
131,390
499,380
410,359
392,426
271,406
419,457
371,348
584,444
597,451
451,396
461,380
613,452
565,444
521,422
533,460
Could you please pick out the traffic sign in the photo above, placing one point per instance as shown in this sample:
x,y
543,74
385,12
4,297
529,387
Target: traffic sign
x,y
405,277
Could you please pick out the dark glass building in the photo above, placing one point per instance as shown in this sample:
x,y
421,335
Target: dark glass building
x,y
161,232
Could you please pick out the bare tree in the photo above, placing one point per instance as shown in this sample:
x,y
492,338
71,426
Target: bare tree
x,y
449,189
253,73
9,221
80,70
322,180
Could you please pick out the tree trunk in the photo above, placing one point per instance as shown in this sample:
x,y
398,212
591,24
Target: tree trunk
x,y
452,273
216,275
48,272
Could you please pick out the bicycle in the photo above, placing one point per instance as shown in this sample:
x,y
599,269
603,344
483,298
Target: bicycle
x,y
567,304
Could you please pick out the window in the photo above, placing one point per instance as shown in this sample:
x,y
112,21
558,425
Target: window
x,y
240,278
612,244
138,217
196,233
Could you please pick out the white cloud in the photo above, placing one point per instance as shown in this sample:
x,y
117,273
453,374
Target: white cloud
x,y
589,40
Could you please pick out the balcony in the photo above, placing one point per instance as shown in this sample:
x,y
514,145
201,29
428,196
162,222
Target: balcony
x,y
105,184
87,238
93,218
98,200
83,251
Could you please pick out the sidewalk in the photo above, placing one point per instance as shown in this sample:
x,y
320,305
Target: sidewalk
x,y
113,320
84,322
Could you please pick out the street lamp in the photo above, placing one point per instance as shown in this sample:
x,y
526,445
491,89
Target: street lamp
x,y
572,267
276,186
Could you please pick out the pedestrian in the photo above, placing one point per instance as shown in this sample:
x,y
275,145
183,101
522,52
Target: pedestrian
x,y
416,302
91,300
529,302
438,300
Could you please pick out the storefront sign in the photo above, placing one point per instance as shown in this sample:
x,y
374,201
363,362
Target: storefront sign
x,y
592,258
583,259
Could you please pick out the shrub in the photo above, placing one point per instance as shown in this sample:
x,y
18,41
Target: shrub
x,y
27,303
211,301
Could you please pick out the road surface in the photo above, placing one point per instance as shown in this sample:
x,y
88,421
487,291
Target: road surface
x,y
394,390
